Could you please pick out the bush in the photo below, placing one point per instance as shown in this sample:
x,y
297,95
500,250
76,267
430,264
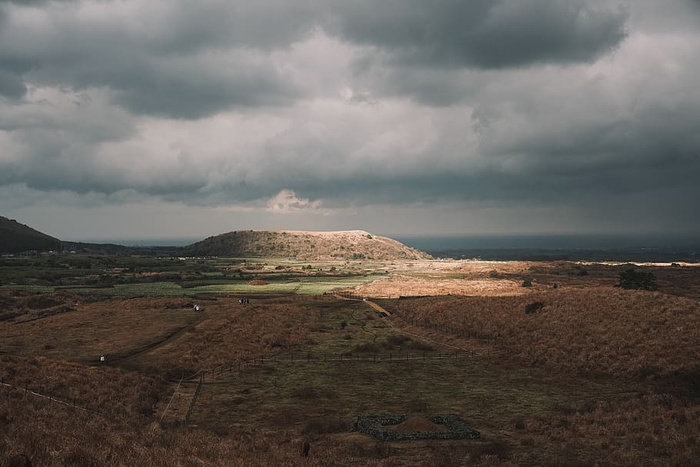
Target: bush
x,y
527,282
633,279
533,307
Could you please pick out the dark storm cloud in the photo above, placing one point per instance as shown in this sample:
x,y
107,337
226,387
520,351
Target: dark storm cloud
x,y
484,33
584,104
180,90
177,59
24,2
191,60
11,85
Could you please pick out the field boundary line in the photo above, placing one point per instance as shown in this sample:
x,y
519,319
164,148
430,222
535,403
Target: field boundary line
x,y
194,399
170,401
44,396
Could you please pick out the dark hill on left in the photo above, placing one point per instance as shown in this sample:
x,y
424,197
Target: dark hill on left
x,y
16,237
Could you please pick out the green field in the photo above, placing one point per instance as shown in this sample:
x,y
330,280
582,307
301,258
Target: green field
x,y
129,276
307,286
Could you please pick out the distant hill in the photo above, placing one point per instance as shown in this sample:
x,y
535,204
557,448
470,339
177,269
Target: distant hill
x,y
303,245
16,237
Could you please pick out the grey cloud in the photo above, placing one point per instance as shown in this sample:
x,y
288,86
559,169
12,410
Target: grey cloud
x,y
484,33
676,16
179,91
171,58
23,2
11,85
658,146
503,103
177,59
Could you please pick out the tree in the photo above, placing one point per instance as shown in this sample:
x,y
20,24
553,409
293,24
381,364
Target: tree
x,y
633,279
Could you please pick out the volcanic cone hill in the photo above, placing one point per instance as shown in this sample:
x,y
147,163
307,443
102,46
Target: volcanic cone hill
x,y
16,237
303,245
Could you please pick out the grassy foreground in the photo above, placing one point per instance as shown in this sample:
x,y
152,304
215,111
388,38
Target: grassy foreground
x,y
596,376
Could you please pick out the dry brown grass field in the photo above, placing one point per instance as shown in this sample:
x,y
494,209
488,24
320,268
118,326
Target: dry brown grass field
x,y
594,375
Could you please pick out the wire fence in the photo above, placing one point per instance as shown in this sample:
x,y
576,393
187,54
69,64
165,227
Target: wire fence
x,y
49,397
226,371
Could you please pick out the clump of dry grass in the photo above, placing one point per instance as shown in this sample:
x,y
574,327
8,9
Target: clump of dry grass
x,y
599,330
630,431
115,431
640,335
239,333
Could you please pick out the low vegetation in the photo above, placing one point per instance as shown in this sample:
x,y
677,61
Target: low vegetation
x,y
585,373
16,237
348,245
641,280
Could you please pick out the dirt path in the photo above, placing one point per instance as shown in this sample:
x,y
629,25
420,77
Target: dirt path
x,y
370,303
377,307
155,345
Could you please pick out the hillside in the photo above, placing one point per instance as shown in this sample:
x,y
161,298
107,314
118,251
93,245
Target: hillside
x,y
16,237
303,245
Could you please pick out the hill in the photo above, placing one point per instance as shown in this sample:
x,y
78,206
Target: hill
x,y
16,237
304,245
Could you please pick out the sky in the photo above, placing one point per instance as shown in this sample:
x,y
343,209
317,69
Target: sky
x,y
174,119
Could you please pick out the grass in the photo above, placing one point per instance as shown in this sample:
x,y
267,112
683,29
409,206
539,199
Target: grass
x,y
487,396
298,391
606,330
307,286
598,376
114,328
116,276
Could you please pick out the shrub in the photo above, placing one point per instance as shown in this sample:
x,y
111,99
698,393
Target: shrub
x,y
633,279
533,307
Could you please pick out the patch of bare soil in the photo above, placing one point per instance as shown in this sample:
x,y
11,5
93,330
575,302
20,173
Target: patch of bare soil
x,y
258,282
407,286
413,424
451,277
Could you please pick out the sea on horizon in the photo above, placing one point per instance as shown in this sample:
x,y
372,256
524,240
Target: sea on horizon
x,y
621,248
513,246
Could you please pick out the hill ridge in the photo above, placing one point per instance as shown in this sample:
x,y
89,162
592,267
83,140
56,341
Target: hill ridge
x,y
304,245
16,238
